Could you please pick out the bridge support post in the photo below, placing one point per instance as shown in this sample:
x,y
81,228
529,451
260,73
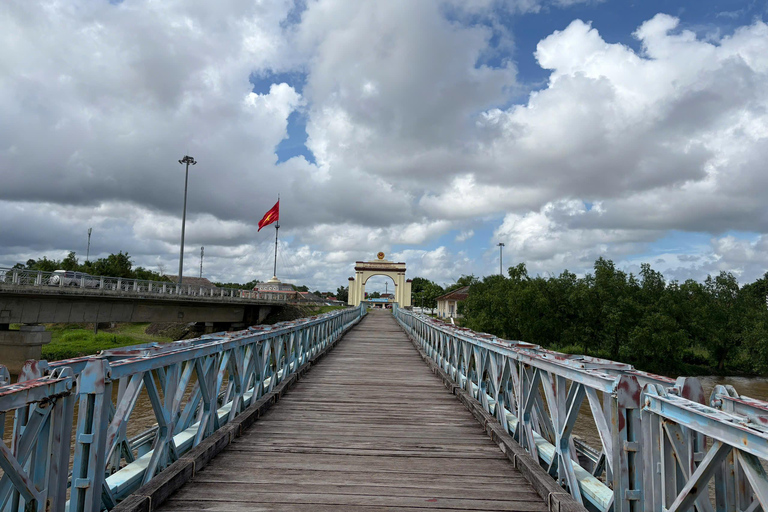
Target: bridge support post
x,y
627,467
17,347
264,312
94,386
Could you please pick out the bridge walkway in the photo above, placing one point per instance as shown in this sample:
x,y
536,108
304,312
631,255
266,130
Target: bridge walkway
x,y
370,428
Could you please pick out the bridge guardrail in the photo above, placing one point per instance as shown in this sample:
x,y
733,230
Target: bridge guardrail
x,y
661,448
195,387
39,279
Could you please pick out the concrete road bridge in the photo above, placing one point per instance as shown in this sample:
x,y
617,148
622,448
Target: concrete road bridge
x,y
31,298
377,411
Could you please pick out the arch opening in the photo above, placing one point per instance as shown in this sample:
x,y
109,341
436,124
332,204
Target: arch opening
x,y
380,291
394,271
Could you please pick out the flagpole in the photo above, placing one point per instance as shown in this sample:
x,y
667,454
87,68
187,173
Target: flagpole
x,y
277,227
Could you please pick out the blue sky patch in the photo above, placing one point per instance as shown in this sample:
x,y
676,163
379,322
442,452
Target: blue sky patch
x,y
296,142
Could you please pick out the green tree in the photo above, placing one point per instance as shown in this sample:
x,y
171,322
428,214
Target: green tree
x,y
250,285
643,320
758,290
657,339
564,312
615,293
342,293
656,342
461,282
733,323
148,275
425,292
490,307
586,330
114,265
44,264
70,262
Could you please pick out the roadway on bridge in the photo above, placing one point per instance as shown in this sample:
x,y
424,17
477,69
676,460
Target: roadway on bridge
x,y
370,428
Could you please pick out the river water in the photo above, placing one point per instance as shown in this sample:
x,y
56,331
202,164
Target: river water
x,y
753,387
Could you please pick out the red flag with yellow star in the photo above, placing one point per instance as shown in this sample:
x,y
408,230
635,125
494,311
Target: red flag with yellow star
x,y
273,215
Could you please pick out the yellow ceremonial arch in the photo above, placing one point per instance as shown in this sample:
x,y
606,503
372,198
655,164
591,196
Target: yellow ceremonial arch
x,y
364,270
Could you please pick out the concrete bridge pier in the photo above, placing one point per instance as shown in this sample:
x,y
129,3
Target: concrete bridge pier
x,y
251,316
16,347
211,327
257,315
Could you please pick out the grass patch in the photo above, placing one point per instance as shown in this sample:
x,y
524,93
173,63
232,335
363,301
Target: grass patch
x,y
75,340
327,309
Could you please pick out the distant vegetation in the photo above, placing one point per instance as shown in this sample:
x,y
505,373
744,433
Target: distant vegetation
x,y
238,286
114,265
426,292
74,340
666,327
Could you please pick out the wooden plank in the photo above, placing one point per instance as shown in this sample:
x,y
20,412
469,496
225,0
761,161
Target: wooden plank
x,y
370,428
499,482
246,490
400,438
225,506
253,498
372,452
245,461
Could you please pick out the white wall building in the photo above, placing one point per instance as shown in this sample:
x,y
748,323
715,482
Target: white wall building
x,y
448,304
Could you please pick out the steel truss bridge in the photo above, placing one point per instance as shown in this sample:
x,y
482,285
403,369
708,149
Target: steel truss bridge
x,y
69,442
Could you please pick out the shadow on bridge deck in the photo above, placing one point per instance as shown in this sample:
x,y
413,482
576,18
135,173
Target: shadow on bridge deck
x,y
370,428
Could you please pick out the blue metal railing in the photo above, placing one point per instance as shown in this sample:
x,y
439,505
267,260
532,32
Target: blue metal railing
x,y
661,447
194,387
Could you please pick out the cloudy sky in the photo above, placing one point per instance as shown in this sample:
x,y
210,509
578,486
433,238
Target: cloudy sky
x,y
636,130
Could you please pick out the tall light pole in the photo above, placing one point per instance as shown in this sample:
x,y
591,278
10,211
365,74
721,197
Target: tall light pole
x,y
186,160
88,249
501,247
202,251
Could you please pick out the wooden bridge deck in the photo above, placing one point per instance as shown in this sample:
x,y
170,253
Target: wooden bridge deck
x,y
370,428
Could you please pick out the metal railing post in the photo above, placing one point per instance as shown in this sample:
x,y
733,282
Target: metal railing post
x,y
95,390
627,436
58,474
